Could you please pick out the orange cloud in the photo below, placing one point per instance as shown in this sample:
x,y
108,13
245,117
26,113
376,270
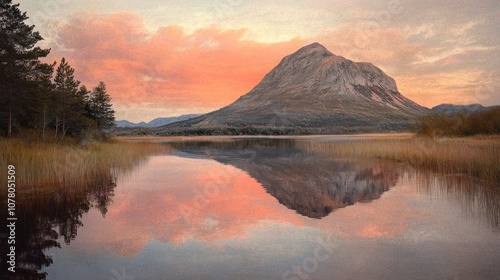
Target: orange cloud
x,y
209,67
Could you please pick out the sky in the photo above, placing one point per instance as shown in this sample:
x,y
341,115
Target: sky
x,y
168,58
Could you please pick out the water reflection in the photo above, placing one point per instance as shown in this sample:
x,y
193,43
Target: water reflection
x,y
45,218
311,184
478,200
212,203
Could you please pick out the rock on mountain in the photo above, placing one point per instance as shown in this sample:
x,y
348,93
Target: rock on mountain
x,y
317,91
156,122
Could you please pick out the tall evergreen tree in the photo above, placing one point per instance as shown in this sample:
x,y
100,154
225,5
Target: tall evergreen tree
x,y
100,106
44,100
20,68
70,105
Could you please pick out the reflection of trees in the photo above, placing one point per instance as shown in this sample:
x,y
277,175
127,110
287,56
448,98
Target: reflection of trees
x,y
310,183
476,198
44,218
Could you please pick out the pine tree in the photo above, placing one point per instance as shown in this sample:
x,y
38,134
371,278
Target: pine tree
x,y
45,98
20,68
70,105
101,108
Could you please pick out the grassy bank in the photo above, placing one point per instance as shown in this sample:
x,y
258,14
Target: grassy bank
x,y
476,156
245,130
46,166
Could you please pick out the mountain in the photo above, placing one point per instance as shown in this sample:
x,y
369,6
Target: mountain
x,y
452,109
314,91
156,122
125,123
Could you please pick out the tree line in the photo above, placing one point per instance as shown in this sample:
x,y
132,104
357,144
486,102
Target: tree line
x,y
35,100
460,123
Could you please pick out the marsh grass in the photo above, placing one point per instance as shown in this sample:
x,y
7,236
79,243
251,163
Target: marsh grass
x,y
43,167
476,156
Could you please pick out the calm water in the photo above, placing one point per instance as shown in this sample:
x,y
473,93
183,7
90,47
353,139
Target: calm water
x,y
267,209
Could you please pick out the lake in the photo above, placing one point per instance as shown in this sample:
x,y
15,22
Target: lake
x,y
265,208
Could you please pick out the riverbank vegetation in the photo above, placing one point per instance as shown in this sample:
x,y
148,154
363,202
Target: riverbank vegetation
x,y
45,167
446,124
477,156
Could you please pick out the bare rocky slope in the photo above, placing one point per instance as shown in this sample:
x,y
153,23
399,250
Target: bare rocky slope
x,y
312,91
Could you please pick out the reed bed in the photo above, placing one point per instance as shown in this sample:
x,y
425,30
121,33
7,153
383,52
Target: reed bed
x,y
46,166
476,156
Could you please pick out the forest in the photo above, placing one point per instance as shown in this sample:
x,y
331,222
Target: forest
x,y
460,124
42,101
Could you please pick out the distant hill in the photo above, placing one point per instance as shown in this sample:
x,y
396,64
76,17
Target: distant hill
x,y
311,91
156,122
452,109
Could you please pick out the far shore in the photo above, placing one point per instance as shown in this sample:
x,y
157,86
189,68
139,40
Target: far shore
x,y
318,137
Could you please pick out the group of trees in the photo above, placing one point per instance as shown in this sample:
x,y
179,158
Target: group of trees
x,y
460,124
35,101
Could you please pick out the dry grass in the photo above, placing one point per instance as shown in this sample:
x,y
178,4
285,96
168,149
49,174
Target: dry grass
x,y
476,156
47,166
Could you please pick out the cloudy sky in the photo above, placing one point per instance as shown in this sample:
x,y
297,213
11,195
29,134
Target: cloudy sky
x,y
167,58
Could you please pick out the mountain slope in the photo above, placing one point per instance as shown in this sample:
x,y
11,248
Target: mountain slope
x,y
317,91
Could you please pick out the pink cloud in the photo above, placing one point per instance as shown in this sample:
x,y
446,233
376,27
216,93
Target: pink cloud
x,y
209,67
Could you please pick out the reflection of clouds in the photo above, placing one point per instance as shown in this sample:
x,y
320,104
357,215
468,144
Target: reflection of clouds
x,y
388,217
149,206
154,211
245,233
152,204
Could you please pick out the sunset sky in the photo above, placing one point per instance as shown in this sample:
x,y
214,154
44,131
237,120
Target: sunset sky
x,y
167,58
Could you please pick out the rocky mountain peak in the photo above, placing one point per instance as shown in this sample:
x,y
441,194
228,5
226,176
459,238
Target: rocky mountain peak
x,y
317,91
313,50
313,68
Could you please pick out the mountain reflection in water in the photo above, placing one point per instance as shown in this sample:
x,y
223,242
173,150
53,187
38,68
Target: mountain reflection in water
x,y
311,184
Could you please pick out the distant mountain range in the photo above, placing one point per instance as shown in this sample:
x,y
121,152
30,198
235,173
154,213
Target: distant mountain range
x,y
452,109
311,91
156,122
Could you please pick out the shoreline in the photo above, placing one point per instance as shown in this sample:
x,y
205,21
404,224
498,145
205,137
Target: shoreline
x,y
318,137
